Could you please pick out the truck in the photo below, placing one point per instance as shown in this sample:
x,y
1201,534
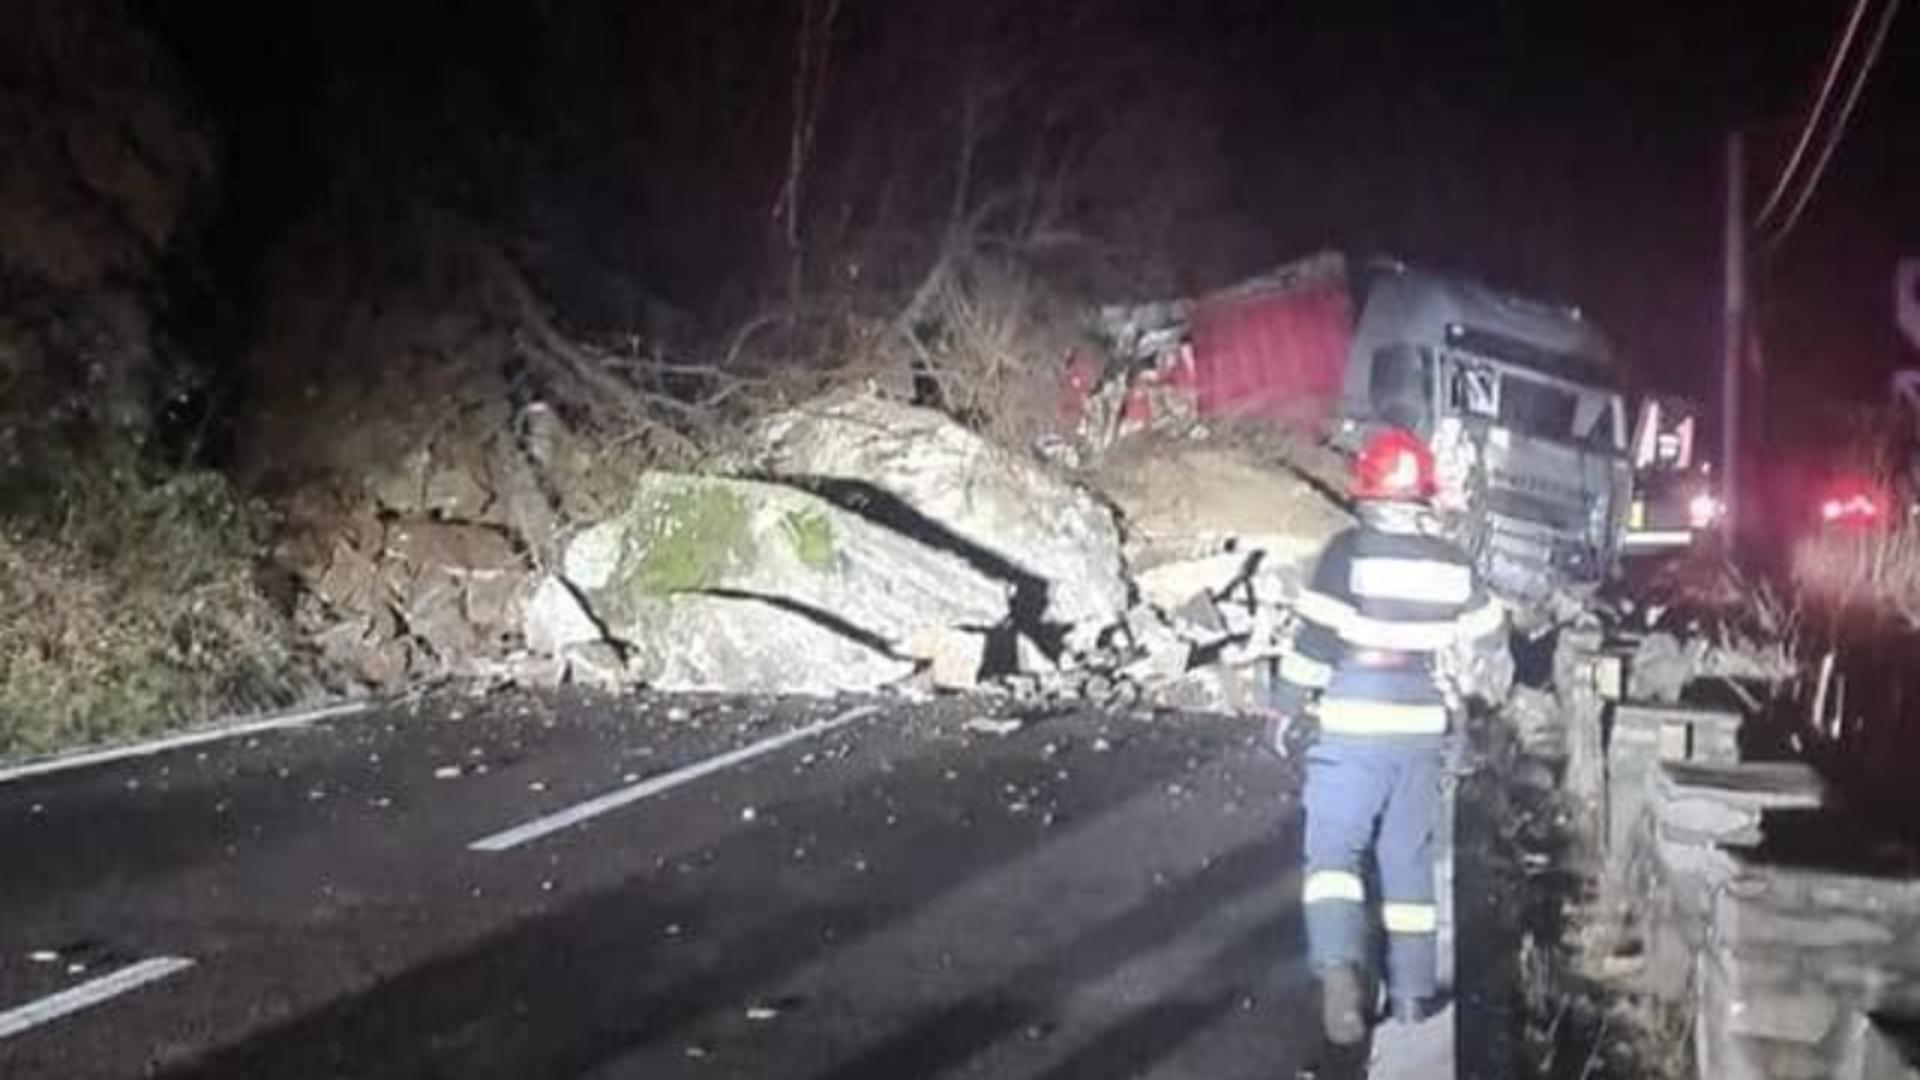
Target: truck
x,y
1675,503
1522,401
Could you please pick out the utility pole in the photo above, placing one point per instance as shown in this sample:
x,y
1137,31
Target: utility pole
x,y
1733,330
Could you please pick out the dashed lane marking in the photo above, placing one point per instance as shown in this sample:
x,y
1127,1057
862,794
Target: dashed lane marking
x,y
88,994
613,800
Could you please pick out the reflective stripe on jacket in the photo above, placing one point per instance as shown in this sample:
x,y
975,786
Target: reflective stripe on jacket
x,y
1382,604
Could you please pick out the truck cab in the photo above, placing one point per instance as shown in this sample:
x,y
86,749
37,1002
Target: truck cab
x,y
1675,502
1521,401
1523,405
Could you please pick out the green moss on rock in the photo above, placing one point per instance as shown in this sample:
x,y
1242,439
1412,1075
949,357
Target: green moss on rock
x,y
811,534
682,540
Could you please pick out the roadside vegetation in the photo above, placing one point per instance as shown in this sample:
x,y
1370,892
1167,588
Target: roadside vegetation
x,y
216,435
128,604
1873,570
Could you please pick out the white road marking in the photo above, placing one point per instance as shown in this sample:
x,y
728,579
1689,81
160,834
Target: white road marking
x,y
108,755
88,994
645,789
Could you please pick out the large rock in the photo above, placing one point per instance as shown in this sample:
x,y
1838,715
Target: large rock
x,y
693,642
983,496
744,539
1198,501
555,619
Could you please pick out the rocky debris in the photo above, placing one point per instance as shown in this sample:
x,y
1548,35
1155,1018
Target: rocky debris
x,y
1162,653
935,479
1171,585
1218,689
859,545
1226,511
413,598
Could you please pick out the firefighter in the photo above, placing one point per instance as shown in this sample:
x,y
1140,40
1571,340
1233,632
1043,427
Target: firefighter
x,y
1391,612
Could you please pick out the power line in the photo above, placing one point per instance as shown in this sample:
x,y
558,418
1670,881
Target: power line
x,y
1840,123
1835,61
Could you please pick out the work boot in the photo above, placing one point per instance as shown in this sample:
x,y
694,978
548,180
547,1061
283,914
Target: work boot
x,y
1342,1012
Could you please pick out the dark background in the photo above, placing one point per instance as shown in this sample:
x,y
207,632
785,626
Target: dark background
x,y
1567,150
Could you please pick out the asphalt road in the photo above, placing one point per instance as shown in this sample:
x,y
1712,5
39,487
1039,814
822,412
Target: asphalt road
x,y
897,897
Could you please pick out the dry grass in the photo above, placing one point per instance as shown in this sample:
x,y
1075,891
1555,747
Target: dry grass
x,y
1000,353
130,607
1877,571
985,339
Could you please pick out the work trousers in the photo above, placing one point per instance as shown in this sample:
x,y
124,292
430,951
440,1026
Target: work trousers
x,y
1378,794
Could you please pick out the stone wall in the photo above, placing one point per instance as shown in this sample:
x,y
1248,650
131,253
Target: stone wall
x,y
1804,971
1798,965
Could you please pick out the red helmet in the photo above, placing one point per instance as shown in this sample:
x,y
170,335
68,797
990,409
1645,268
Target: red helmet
x,y
1393,465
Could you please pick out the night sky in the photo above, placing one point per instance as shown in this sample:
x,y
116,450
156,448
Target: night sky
x,y
1568,150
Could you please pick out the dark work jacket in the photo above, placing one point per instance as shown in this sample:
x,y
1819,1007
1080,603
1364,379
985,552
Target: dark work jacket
x,y
1388,608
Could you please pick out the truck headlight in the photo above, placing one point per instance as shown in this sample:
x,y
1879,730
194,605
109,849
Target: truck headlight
x,y
1703,510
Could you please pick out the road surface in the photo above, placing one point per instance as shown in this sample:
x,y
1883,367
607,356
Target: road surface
x,y
572,886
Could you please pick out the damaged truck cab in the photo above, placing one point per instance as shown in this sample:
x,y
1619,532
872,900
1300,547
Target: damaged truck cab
x,y
1523,405
1521,400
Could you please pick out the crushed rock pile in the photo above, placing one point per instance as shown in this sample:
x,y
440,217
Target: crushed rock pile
x,y
855,545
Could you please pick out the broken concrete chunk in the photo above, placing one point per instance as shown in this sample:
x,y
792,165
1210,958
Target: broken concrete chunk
x,y
1003,505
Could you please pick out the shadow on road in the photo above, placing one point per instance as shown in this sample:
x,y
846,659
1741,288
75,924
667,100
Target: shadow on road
x,y
590,981
945,1038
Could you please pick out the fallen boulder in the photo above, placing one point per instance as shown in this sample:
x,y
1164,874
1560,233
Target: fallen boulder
x,y
556,618
933,478
693,642
789,550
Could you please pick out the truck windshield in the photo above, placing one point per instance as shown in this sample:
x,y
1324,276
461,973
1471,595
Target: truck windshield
x,y
1535,407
